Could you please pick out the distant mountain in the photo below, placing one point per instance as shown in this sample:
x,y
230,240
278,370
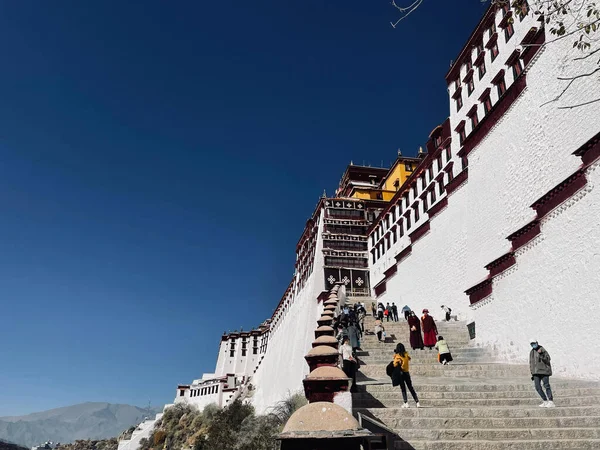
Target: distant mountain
x,y
10,446
84,421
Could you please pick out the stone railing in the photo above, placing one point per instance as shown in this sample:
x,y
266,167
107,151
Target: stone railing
x,y
327,421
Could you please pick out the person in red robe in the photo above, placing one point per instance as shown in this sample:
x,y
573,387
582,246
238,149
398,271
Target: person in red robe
x,y
414,325
429,330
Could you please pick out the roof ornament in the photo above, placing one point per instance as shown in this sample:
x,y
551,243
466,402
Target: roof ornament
x,y
324,194
399,152
351,162
420,150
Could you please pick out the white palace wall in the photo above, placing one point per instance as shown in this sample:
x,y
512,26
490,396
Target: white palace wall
x,y
283,367
551,294
552,290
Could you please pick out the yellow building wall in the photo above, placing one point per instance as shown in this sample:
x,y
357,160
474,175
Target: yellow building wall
x,y
371,194
399,173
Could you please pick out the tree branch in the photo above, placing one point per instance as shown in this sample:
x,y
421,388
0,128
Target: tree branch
x,y
579,104
581,75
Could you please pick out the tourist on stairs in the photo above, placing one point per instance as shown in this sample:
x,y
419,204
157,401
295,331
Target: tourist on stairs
x,y
379,331
406,310
429,330
354,334
444,355
394,312
447,311
541,370
374,309
414,325
348,361
401,374
380,309
362,313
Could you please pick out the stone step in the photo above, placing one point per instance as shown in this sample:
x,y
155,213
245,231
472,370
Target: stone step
x,y
373,402
378,371
475,385
429,359
531,394
437,424
537,444
384,414
500,434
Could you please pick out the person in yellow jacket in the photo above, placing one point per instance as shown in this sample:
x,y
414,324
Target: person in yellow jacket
x,y
401,375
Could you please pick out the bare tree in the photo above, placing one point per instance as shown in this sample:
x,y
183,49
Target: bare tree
x,y
576,20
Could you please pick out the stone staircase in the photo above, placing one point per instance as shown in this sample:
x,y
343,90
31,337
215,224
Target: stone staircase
x,y
475,402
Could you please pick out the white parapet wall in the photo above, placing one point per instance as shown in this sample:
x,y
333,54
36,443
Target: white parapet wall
x,y
551,292
283,367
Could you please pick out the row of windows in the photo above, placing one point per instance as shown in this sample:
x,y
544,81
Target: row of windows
x,y
353,214
405,222
204,391
345,245
492,45
341,229
337,261
412,194
486,101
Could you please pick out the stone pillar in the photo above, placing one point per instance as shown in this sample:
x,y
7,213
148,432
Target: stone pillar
x,y
323,426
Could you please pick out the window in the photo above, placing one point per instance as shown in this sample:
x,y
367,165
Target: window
x,y
414,188
416,212
470,86
450,174
394,237
181,392
501,85
441,185
448,154
231,353
373,255
457,83
433,198
492,28
474,119
425,204
487,104
459,102
481,69
408,222
393,215
479,47
408,167
469,65
423,181
517,68
494,51
465,162
430,170
397,183
523,9
439,163
509,31
401,226
462,135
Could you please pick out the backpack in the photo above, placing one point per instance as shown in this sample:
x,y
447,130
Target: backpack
x,y
389,370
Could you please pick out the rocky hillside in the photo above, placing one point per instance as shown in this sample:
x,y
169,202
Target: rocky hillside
x,y
90,420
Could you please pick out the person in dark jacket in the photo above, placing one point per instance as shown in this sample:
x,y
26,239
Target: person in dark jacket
x,y
414,325
354,334
401,375
541,370
394,312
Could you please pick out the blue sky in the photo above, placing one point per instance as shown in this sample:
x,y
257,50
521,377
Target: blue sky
x,y
158,162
